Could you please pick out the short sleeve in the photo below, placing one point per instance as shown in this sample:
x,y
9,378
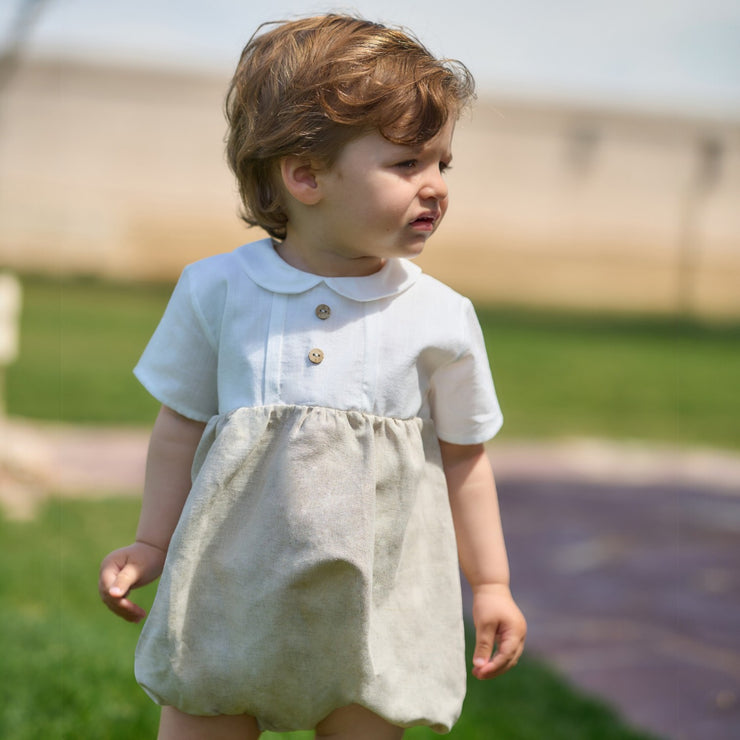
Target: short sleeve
x,y
178,366
463,398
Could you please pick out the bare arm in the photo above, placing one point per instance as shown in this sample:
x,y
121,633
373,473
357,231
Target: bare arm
x,y
167,484
480,543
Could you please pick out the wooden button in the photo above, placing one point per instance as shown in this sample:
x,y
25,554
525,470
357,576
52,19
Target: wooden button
x,y
316,356
323,311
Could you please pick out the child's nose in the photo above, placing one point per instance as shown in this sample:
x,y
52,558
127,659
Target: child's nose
x,y
435,185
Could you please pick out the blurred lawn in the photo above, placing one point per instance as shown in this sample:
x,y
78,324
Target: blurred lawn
x,y
630,377
642,378
68,663
79,343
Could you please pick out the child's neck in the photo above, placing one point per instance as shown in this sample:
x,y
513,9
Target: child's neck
x,y
325,261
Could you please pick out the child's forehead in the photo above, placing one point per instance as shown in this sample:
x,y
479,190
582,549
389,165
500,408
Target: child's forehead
x,y
440,142
377,141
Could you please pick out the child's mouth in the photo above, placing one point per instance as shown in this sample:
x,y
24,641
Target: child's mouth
x,y
424,223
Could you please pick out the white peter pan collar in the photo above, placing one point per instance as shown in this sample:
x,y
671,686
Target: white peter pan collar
x,y
266,268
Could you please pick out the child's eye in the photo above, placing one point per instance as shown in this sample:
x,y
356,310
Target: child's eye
x,y
411,164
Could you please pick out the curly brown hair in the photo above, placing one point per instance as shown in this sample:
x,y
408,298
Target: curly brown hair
x,y
307,87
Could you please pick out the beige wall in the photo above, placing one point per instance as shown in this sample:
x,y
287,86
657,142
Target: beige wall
x,y
121,173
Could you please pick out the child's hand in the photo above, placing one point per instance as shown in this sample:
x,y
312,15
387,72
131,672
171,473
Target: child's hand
x,y
127,568
500,623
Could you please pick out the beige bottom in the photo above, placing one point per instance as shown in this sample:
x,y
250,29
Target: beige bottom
x,y
314,566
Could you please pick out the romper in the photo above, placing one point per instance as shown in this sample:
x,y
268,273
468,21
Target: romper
x,y
314,564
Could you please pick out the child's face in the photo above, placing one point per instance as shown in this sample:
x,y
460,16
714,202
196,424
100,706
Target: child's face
x,y
380,200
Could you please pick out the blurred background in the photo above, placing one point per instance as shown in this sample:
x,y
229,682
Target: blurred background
x,y
594,221
600,168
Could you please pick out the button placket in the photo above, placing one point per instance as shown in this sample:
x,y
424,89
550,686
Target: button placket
x,y
316,355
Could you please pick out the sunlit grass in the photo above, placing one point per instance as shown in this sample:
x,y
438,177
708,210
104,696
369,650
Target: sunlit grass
x,y
633,377
79,343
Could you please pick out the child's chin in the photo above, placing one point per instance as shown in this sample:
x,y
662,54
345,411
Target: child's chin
x,y
416,247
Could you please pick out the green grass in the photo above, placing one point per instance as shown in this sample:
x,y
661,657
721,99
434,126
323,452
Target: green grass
x,y
67,663
79,342
632,377
641,378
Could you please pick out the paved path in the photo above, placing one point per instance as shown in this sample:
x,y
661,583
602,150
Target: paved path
x,y
634,593
624,559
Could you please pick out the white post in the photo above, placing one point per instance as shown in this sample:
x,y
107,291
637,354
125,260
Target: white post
x,y
10,310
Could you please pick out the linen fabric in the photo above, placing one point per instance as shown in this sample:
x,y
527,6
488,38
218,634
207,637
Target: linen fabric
x,y
314,564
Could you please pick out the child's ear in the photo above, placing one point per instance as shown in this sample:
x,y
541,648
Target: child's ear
x,y
299,178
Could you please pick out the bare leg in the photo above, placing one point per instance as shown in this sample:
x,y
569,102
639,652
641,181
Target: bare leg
x,y
174,725
356,723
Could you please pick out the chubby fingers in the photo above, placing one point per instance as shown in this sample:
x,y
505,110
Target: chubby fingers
x,y
485,640
114,584
487,664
